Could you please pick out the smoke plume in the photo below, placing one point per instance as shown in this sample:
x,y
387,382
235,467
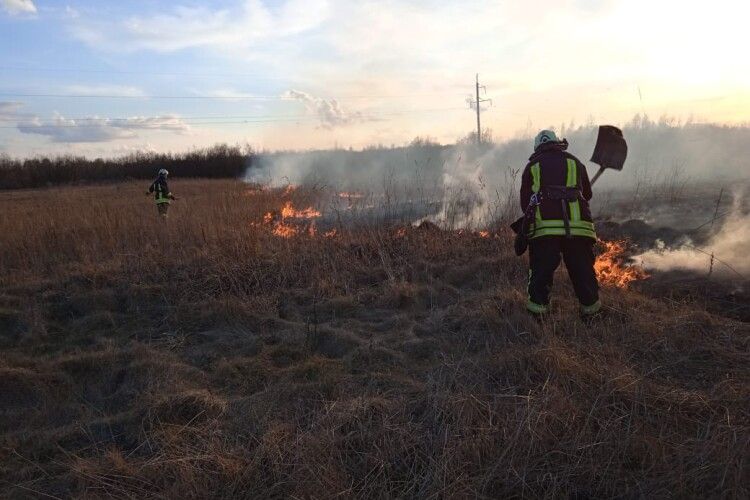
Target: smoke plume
x,y
724,253
472,185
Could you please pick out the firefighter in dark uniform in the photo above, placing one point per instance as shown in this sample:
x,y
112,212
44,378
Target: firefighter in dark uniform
x,y
557,183
162,193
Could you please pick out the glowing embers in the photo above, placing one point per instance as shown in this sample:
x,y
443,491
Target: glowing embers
x,y
612,268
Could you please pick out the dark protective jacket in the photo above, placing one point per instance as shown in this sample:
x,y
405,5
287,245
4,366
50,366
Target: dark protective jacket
x,y
551,171
161,190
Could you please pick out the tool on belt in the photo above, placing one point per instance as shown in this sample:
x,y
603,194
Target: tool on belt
x,y
522,226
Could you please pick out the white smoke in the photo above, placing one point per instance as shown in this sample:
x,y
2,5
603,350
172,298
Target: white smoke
x,y
366,170
474,186
465,196
725,253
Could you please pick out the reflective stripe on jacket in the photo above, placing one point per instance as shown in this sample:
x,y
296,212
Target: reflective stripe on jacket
x,y
552,166
161,190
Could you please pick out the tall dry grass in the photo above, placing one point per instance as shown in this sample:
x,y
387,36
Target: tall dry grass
x,y
207,358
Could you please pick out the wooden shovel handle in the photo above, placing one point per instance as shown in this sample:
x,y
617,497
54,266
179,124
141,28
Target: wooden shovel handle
x,y
598,174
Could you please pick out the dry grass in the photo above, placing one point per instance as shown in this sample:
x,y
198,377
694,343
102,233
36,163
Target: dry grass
x,y
207,358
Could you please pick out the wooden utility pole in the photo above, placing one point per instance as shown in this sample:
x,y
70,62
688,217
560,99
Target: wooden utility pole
x,y
477,103
479,123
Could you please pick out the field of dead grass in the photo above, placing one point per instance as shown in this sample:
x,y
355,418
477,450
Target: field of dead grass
x,y
209,358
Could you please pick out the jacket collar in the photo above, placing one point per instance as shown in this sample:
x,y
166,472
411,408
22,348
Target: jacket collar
x,y
548,146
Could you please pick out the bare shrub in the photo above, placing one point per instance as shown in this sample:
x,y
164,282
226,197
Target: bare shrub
x,y
219,161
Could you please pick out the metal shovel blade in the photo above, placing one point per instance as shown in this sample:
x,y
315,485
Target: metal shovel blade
x,y
610,151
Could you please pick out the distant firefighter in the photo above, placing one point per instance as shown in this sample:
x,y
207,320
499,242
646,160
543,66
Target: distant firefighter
x,y
163,195
555,191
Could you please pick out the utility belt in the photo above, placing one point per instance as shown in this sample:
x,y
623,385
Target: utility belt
x,y
560,193
565,195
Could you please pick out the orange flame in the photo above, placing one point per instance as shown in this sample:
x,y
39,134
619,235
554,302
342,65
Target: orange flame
x,y
330,234
284,230
288,211
484,234
611,268
281,225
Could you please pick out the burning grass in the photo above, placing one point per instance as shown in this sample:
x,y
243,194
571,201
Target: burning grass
x,y
209,357
612,266
287,224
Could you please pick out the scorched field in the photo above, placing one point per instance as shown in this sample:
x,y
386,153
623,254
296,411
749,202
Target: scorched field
x,y
257,346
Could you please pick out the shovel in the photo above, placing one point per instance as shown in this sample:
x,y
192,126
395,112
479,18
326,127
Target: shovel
x,y
610,150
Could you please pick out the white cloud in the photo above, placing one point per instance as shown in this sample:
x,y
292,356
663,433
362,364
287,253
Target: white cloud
x,y
328,111
90,129
231,95
60,129
64,130
543,62
171,123
14,7
187,27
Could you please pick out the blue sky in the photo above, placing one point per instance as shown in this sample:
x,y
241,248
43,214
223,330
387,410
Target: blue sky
x,y
107,78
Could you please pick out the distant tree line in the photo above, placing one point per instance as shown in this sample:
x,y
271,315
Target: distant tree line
x,y
219,161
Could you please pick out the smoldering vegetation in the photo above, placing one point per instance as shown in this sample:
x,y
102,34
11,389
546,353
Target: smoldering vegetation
x,y
680,202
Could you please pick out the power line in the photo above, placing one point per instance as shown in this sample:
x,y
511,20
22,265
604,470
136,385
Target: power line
x,y
137,117
214,97
164,126
213,117
255,76
253,119
150,73
165,116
